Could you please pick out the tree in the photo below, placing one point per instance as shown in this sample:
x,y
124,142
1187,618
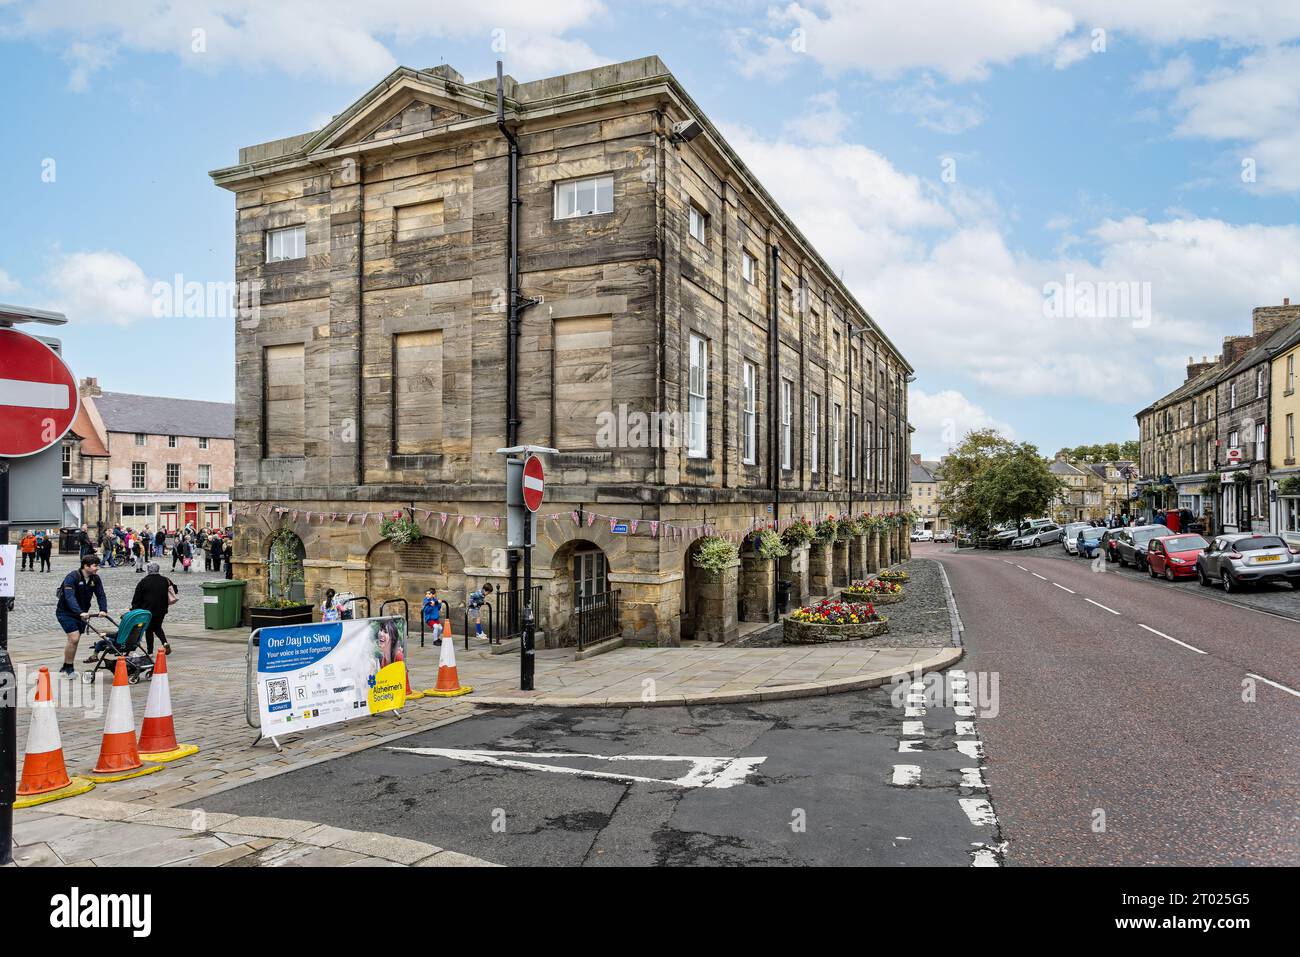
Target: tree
x,y
990,479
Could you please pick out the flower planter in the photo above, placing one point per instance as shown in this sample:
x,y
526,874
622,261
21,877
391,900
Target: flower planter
x,y
875,598
268,617
809,633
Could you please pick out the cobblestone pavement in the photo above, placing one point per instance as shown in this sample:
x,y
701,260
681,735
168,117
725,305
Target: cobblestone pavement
x,y
34,603
1277,599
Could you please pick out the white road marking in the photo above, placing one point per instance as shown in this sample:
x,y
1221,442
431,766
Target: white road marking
x,y
972,749
905,775
973,778
987,855
1036,575
916,686
913,712
1063,588
914,727
1274,684
1007,561
907,747
957,674
916,699
705,772
979,811
965,727
34,395
960,697
1101,606
963,711
1022,568
1174,640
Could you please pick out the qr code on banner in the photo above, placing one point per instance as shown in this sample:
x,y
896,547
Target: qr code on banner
x,y
277,691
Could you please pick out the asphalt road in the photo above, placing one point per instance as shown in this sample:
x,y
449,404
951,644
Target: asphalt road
x,y
825,792
1116,743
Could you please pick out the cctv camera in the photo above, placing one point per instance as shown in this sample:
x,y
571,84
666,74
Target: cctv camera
x,y
686,130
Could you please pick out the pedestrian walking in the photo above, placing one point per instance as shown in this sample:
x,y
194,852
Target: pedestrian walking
x,y
79,589
27,547
44,548
155,594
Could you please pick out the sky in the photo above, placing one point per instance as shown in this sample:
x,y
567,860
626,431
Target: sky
x,y
1048,205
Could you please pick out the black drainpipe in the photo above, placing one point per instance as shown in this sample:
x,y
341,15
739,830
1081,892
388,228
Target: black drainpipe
x,y
776,433
512,260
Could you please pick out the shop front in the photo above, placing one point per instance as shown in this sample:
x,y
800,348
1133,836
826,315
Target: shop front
x,y
164,510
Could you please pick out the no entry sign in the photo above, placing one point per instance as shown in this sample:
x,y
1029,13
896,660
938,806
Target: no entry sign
x,y
38,395
534,483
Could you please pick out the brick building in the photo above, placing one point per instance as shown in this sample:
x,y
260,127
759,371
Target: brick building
x,y
692,358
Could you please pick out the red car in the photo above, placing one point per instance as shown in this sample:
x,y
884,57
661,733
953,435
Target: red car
x,y
1174,556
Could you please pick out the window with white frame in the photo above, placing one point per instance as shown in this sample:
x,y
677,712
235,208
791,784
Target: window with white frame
x,y
287,243
748,266
787,442
1259,383
1232,395
1290,373
171,442
853,445
1290,436
67,461
139,440
698,223
749,415
137,475
205,476
1209,453
1261,434
203,443
584,197
173,476
698,398
814,412
836,413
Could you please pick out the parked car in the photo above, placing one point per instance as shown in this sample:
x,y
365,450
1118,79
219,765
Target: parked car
x,y
1034,537
1245,557
1109,542
922,535
1131,544
968,539
943,535
1088,543
1069,535
1174,556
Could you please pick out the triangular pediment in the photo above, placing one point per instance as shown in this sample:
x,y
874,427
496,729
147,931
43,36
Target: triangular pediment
x,y
406,103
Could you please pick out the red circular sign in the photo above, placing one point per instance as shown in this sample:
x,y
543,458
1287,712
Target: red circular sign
x,y
38,395
534,482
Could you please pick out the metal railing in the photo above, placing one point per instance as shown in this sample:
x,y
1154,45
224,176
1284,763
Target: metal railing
x,y
597,617
512,611
444,617
489,616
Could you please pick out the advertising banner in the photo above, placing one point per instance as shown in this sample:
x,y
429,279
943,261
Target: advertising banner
x,y
313,675
8,570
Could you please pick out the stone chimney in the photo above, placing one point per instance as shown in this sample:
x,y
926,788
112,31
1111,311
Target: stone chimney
x,y
1195,368
1266,320
1234,347
88,388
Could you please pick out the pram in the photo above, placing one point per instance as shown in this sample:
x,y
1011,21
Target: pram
x,y
124,641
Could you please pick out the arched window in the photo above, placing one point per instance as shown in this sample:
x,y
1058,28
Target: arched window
x,y
284,567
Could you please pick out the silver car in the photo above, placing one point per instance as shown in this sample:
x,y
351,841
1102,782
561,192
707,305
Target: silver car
x,y
1034,537
1237,559
1070,534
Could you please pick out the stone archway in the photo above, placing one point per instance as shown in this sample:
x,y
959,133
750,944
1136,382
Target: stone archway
x,y
709,603
405,571
579,568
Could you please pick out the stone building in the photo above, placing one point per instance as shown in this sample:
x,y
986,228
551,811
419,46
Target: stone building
x,y
1209,437
926,482
158,461
1284,414
1081,494
693,359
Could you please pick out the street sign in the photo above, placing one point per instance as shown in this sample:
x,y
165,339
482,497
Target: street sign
x,y
38,395
1234,456
534,483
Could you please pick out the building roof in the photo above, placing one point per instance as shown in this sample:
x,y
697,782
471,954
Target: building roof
x,y
158,415
919,473
1061,467
92,443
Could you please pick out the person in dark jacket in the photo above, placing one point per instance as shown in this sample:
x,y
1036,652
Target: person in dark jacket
x,y
79,588
44,548
159,539
152,594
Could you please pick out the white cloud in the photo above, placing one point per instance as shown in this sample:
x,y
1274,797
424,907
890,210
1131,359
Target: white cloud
x,y
7,283
340,39
1171,75
1257,105
936,112
822,122
943,419
86,59
935,268
100,287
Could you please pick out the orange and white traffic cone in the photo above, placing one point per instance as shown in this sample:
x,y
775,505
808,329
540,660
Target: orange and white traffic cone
x,y
45,776
118,755
158,733
449,685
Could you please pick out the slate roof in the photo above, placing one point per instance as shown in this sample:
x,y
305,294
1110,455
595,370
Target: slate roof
x,y
158,415
1061,467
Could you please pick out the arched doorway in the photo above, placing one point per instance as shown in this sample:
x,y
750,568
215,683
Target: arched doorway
x,y
285,554
579,587
405,571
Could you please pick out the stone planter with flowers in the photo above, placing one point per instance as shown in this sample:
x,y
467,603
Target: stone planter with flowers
x,y
832,620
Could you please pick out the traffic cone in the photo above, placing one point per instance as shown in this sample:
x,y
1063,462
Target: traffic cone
x,y
449,685
158,734
45,777
118,756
